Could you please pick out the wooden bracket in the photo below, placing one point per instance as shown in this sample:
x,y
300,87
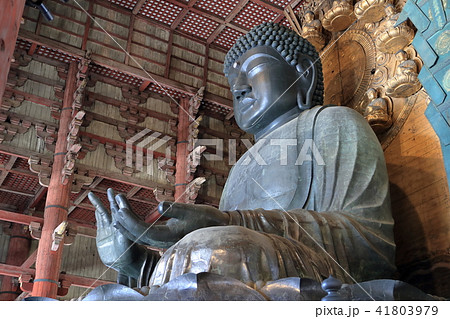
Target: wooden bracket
x,y
193,188
35,230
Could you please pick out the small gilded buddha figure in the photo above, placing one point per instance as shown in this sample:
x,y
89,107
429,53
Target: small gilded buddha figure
x,y
405,81
339,17
378,112
312,31
392,38
370,11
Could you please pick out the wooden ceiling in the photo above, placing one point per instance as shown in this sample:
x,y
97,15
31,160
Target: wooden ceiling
x,y
214,24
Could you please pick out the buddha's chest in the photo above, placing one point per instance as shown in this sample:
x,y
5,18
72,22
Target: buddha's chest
x,y
266,175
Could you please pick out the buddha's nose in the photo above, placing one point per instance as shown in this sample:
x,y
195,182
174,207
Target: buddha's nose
x,y
241,91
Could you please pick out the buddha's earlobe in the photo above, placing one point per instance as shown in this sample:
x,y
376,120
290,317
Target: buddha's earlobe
x,y
307,83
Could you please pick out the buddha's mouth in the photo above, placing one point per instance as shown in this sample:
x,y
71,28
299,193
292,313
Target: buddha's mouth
x,y
246,103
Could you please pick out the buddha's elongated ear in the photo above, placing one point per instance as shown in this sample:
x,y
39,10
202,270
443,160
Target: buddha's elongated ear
x,y
307,82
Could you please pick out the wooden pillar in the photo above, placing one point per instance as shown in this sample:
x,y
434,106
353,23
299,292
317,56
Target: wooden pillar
x,y
48,262
19,246
182,151
10,17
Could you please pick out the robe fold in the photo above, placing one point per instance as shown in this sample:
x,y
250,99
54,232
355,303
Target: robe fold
x,y
309,199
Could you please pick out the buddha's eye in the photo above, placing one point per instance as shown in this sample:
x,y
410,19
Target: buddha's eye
x,y
257,67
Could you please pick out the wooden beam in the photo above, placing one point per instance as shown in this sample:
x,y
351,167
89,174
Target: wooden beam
x,y
205,67
138,6
87,26
38,197
270,6
129,40
114,65
30,260
10,17
32,49
292,4
169,55
85,230
228,19
15,191
93,171
133,191
83,195
34,98
208,15
78,281
6,169
38,78
182,14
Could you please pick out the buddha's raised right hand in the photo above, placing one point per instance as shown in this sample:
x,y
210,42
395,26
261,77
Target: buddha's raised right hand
x,y
184,218
116,250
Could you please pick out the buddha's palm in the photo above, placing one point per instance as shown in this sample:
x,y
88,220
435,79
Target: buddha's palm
x,y
115,249
184,218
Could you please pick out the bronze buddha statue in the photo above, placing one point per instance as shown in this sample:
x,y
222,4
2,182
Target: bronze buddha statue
x,y
283,213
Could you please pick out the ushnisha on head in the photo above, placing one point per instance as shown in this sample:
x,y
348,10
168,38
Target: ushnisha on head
x,y
274,74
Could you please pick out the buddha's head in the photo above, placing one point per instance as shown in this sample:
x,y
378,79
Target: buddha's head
x,y
371,94
309,16
401,56
390,10
274,74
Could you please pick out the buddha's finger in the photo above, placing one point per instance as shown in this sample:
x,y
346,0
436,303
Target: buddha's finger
x,y
184,211
171,209
149,234
112,201
101,213
123,202
124,232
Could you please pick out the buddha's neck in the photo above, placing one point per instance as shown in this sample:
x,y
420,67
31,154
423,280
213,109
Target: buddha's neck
x,y
279,121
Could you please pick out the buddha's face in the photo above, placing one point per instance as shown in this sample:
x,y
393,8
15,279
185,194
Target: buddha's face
x,y
371,94
401,56
309,16
264,87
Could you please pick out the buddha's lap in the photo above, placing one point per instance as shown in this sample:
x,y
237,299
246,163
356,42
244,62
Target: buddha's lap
x,y
241,253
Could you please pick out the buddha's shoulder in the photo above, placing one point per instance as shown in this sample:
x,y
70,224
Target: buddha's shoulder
x,y
336,114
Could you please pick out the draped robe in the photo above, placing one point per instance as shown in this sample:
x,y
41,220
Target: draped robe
x,y
309,220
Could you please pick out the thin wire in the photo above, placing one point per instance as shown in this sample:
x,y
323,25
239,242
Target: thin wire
x,y
313,239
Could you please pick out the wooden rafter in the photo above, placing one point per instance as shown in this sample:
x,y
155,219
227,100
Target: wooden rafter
x,y
133,191
30,260
82,196
78,281
85,230
206,14
22,192
138,6
113,65
228,19
38,197
7,168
